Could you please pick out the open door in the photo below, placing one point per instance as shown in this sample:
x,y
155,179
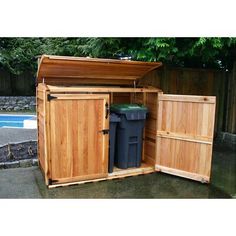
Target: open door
x,y
185,129
79,137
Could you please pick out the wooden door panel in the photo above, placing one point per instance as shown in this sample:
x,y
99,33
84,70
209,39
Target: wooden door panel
x,y
189,118
185,135
78,148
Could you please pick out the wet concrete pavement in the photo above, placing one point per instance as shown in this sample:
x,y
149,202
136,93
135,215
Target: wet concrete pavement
x,y
13,135
224,170
28,183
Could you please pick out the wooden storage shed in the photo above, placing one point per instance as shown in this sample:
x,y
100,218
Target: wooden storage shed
x,y
73,99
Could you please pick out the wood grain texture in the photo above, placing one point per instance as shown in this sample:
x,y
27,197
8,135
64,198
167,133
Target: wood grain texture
x,y
177,137
150,100
195,81
149,135
40,130
143,169
73,81
187,98
101,89
185,130
60,135
78,148
186,137
47,139
117,173
108,70
121,98
42,121
230,124
184,174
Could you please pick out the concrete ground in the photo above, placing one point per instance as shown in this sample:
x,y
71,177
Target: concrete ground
x,y
28,183
12,135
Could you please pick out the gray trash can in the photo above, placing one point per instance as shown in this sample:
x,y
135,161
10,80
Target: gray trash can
x,y
129,134
114,119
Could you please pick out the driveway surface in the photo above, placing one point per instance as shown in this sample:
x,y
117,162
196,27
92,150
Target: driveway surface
x,y
29,183
13,135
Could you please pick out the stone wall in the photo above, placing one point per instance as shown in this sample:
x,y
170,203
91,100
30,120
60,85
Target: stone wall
x,y
18,103
22,154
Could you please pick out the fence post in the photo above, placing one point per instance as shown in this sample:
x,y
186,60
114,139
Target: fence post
x,y
5,83
233,100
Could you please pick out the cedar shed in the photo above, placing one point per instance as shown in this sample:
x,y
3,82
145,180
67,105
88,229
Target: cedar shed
x,y
73,99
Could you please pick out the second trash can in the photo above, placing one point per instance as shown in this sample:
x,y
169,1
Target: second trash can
x,y
114,119
129,134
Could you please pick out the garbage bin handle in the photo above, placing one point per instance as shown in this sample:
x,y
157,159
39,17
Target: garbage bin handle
x,y
107,110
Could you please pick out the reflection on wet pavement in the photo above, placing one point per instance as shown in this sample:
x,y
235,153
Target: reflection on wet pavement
x,y
159,185
28,183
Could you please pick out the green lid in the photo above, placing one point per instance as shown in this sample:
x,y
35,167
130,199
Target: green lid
x,y
128,107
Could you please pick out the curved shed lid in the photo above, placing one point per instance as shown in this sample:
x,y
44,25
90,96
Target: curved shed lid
x,y
82,70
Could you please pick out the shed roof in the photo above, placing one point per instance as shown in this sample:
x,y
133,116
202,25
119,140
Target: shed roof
x,y
82,70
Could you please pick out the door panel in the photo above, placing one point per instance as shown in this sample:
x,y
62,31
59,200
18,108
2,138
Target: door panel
x,y
78,148
185,135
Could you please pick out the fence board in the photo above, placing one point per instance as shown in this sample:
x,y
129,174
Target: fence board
x,y
189,81
231,103
5,83
17,85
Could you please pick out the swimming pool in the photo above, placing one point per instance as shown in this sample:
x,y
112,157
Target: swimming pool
x,y
15,121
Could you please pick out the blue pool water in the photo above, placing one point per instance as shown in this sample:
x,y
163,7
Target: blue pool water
x,y
15,121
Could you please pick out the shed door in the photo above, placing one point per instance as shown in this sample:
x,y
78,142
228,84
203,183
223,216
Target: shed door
x,y
185,130
78,147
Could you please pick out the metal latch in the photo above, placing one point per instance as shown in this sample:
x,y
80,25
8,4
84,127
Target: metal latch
x,y
107,110
105,131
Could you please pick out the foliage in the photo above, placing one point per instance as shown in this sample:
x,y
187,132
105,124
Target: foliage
x,y
189,52
19,54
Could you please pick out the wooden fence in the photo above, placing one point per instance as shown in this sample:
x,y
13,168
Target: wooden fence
x,y
5,83
193,82
230,111
171,80
13,85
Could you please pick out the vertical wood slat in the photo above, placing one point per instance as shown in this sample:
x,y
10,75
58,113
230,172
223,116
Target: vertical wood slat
x,y
42,134
159,124
150,101
149,142
185,130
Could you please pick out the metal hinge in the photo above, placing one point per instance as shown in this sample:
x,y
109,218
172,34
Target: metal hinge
x,y
52,181
50,97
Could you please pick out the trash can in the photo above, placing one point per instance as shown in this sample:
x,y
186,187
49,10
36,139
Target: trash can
x,y
114,119
129,134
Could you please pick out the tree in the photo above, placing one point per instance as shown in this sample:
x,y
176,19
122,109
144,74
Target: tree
x,y
19,54
189,52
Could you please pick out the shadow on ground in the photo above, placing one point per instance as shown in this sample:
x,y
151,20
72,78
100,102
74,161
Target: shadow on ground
x,y
28,183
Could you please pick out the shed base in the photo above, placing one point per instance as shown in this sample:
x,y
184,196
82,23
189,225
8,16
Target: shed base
x,y
116,174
